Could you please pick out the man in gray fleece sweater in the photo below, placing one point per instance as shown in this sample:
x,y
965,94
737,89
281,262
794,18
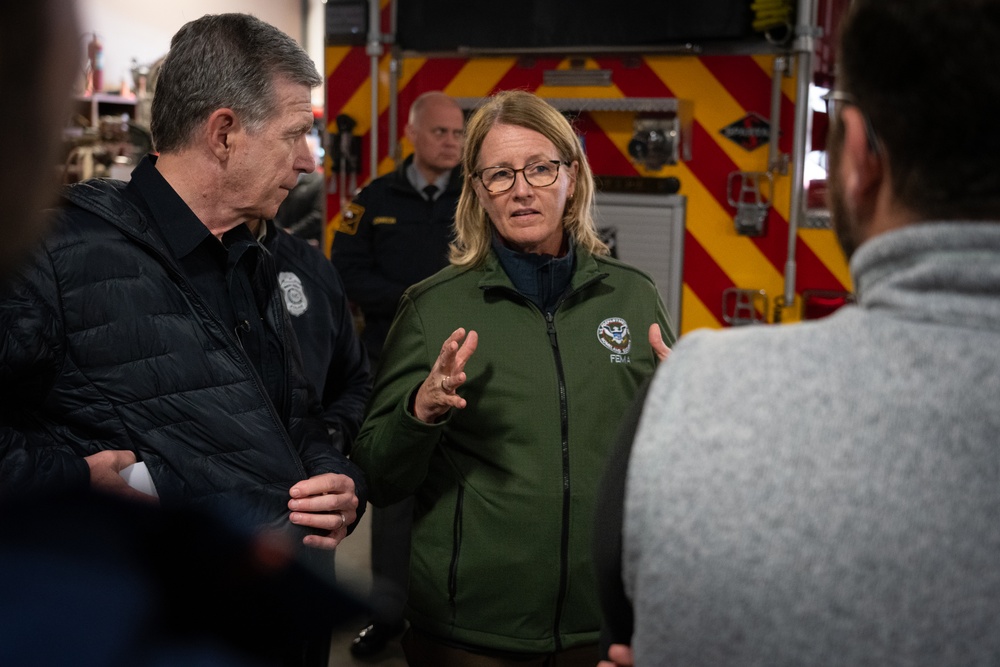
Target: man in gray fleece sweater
x,y
828,493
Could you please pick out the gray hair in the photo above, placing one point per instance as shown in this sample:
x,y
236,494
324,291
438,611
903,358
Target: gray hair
x,y
223,61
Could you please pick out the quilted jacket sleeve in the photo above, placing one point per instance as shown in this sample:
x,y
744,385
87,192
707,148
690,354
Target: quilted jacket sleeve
x,y
320,456
307,430
32,459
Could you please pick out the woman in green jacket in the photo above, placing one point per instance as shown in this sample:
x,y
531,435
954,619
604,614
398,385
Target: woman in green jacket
x,y
502,432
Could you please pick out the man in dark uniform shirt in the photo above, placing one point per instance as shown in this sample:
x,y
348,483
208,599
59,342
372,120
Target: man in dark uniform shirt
x,y
395,233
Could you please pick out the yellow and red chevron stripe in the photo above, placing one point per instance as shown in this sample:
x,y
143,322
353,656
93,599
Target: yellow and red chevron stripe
x,y
723,89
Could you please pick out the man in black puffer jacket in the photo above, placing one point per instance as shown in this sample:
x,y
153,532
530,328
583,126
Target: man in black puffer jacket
x,y
150,326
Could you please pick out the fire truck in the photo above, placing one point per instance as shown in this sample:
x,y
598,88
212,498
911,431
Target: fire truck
x,y
703,122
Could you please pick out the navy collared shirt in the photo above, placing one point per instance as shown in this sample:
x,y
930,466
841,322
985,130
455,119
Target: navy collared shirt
x,y
235,276
420,183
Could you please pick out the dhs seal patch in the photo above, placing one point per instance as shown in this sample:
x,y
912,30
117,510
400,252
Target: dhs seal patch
x,y
295,296
614,335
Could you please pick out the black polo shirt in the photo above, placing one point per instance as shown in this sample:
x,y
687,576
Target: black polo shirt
x,y
235,276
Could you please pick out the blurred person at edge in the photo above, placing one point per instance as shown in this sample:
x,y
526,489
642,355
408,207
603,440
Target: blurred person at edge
x,y
860,526
39,61
499,389
394,234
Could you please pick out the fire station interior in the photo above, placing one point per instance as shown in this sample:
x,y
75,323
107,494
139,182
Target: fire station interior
x,y
704,124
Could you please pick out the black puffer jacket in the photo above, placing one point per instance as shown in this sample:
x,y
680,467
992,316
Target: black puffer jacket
x,y
106,345
332,355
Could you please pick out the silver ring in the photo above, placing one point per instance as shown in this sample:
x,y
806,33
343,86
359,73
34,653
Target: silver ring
x,y
443,387
343,520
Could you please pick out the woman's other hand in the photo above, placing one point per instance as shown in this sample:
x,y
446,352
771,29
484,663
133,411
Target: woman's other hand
x,y
659,345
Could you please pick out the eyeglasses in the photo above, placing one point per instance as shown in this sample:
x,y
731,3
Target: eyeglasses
x,y
536,174
835,98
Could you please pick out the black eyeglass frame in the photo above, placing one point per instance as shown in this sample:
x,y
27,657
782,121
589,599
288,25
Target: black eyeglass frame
x,y
834,97
479,175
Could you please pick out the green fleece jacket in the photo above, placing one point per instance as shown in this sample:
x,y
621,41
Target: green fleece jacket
x,y
505,489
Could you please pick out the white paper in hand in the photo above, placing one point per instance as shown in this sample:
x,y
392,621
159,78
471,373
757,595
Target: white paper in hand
x,y
137,476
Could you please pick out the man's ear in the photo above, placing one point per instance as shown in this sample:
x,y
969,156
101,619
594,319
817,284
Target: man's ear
x,y
863,167
221,125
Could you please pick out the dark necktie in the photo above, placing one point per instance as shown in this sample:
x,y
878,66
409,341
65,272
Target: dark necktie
x,y
430,191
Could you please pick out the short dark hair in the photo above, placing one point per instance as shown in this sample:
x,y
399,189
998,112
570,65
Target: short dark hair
x,y
924,72
223,60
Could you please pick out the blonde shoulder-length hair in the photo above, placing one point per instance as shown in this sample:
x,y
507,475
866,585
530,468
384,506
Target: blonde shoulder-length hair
x,y
473,228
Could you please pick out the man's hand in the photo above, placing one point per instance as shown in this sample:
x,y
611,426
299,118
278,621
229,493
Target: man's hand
x,y
327,503
105,474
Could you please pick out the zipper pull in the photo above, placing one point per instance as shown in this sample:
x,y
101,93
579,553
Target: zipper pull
x,y
243,326
550,326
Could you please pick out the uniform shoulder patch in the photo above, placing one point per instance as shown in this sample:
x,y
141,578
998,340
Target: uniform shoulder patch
x,y
350,218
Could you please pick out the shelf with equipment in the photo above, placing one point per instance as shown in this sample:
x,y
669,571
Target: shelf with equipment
x,y
92,107
102,138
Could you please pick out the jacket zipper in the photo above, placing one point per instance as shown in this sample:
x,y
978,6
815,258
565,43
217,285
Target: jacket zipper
x,y
456,549
550,327
564,429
